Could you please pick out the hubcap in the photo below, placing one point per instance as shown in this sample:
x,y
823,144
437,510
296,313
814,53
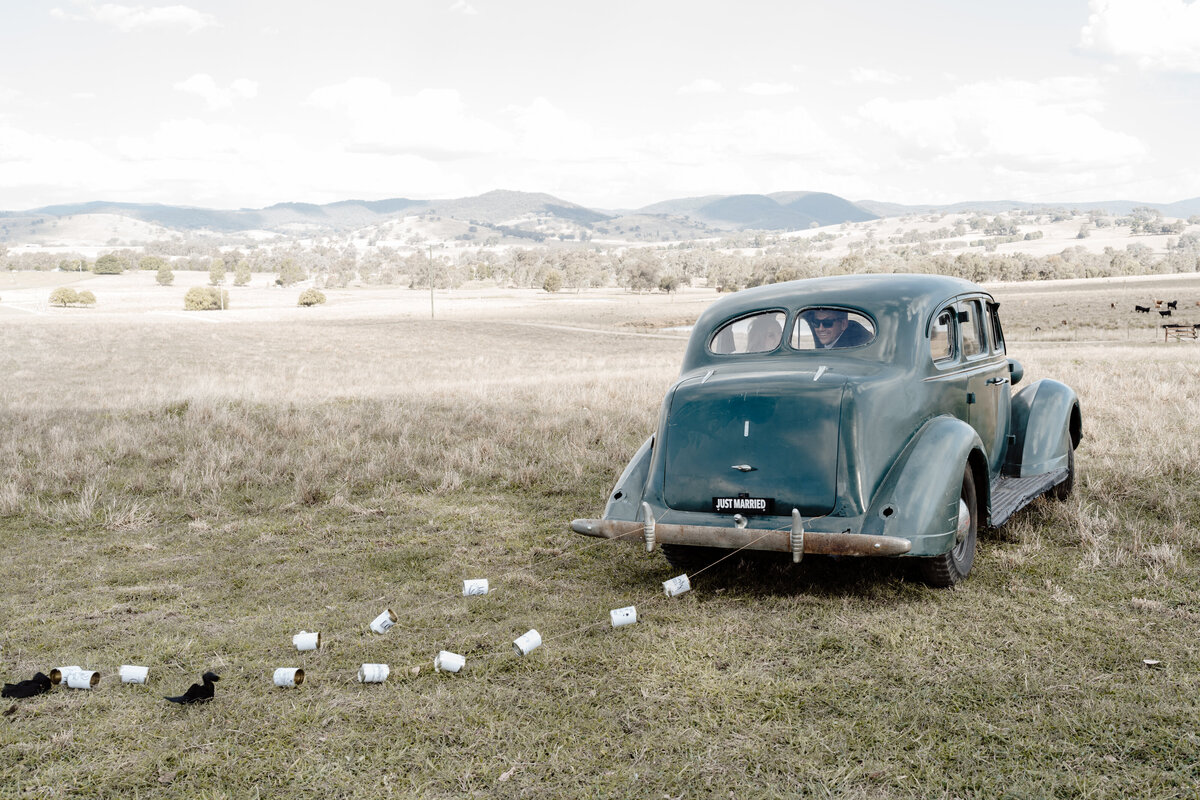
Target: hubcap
x,y
964,522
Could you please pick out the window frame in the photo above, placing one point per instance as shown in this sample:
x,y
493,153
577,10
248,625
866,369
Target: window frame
x,y
952,335
749,315
965,305
998,345
795,324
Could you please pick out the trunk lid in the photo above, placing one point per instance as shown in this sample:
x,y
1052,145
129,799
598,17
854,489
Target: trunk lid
x,y
783,426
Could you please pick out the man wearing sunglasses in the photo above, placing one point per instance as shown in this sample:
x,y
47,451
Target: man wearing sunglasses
x,y
832,328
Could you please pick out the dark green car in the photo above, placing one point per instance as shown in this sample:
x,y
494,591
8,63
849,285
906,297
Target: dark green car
x,y
866,415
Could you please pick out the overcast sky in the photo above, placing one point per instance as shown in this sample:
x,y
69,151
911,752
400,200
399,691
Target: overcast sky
x,y
241,103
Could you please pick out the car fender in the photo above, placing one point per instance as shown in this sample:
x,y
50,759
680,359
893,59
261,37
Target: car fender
x,y
625,500
918,498
1046,424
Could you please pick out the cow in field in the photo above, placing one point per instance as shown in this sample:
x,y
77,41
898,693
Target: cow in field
x,y
1142,309
1173,304
1166,313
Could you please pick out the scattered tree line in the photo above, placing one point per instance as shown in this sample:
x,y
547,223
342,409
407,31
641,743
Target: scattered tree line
x,y
733,262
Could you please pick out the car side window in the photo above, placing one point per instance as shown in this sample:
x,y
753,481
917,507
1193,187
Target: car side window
x,y
971,325
820,328
757,333
941,336
997,331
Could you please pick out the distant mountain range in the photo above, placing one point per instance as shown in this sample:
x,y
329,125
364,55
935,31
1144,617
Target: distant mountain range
x,y
515,216
1181,209
781,211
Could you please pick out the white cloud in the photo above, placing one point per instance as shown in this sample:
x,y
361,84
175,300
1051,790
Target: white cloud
x,y
1157,34
433,123
186,140
131,18
217,98
1014,125
463,7
544,132
701,86
39,168
769,89
881,76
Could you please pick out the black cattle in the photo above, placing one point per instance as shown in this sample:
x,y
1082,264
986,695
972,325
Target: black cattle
x,y
1166,313
1142,309
1173,304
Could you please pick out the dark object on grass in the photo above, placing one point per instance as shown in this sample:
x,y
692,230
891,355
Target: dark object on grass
x,y
198,693
38,684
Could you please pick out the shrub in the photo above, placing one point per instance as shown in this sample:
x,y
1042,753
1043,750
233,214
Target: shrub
x,y
109,264
311,297
205,298
553,281
64,296
165,276
86,298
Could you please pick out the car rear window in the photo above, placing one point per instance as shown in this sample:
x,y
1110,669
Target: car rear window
x,y
822,328
757,333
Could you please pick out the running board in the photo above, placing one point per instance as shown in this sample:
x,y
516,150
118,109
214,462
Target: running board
x,y
1010,495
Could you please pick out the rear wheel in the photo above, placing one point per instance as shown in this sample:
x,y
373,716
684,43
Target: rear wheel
x,y
952,567
691,559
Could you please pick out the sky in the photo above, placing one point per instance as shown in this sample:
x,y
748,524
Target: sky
x,y
613,105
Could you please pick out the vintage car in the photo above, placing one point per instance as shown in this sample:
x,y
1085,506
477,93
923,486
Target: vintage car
x,y
857,415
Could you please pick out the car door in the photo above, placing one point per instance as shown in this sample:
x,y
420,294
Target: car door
x,y
986,376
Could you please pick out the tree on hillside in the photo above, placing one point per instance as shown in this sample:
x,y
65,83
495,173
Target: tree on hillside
x,y
86,298
165,276
216,273
151,263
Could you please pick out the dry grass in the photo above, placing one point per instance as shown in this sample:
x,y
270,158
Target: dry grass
x,y
188,497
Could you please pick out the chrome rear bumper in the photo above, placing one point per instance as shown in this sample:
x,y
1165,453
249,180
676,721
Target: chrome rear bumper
x,y
734,538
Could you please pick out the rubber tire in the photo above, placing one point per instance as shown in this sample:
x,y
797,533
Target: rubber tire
x,y
689,558
1062,491
953,566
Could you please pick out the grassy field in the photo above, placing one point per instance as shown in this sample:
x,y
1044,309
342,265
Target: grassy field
x,y
189,496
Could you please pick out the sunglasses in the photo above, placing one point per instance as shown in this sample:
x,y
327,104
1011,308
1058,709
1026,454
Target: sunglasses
x,y
824,323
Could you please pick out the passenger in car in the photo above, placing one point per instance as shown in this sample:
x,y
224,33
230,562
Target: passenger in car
x,y
765,333
832,328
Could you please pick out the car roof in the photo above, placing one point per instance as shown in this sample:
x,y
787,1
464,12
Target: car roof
x,y
868,292
897,297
